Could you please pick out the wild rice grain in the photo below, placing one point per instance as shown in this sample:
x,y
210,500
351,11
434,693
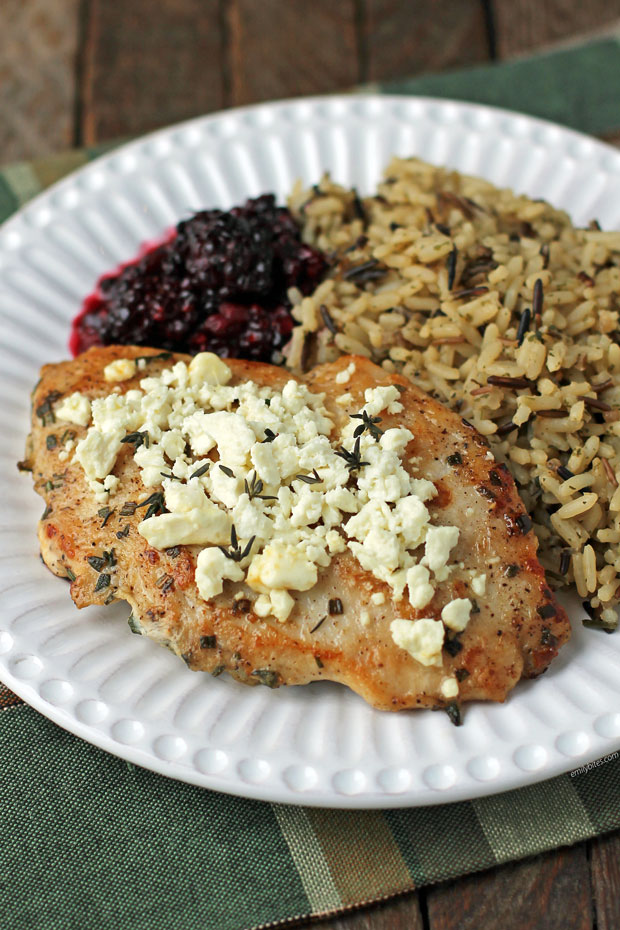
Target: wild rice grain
x,y
524,348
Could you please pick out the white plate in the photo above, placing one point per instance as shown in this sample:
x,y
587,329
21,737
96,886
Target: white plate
x,y
318,744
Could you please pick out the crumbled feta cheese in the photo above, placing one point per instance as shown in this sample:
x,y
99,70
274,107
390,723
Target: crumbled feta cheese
x,y
344,399
449,688
111,483
97,453
421,591
74,409
378,398
344,376
198,527
275,474
422,639
212,569
440,540
121,369
207,368
456,613
479,584
281,566
364,618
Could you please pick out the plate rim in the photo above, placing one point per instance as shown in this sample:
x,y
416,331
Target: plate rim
x,y
416,796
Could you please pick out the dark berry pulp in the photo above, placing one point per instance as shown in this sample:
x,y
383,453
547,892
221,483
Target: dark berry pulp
x,y
217,283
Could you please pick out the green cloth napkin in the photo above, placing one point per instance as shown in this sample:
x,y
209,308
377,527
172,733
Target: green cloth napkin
x,y
90,841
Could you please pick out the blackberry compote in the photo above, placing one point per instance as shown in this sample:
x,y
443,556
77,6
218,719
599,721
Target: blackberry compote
x,y
217,284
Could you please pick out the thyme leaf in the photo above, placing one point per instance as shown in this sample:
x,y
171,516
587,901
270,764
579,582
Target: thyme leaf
x,y
200,471
138,439
314,478
105,513
44,410
353,460
103,581
255,487
267,677
154,504
234,552
368,423
322,620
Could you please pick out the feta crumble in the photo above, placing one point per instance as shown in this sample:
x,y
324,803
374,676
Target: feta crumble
x,y
262,471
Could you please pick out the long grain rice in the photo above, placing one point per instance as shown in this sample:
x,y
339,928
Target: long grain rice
x,y
459,302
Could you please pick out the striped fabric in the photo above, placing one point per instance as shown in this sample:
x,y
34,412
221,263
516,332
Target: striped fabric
x,y
87,837
87,840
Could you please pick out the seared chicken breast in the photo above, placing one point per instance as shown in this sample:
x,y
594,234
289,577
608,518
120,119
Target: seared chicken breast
x,y
341,628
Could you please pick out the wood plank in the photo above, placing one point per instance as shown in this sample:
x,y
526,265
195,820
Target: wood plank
x,y
285,49
37,76
403,38
549,892
399,914
522,26
146,65
605,877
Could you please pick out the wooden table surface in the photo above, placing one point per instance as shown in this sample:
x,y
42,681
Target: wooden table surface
x,y
80,72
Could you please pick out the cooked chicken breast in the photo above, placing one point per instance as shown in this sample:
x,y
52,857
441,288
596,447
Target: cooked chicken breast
x,y
341,629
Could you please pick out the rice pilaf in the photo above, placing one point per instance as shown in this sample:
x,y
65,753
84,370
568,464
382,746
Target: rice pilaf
x,y
497,305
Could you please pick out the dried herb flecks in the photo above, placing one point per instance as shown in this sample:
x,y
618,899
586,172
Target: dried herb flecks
x,y
137,439
524,522
269,434
208,642
321,621
99,562
255,487
105,513
454,713
227,471
134,626
453,646
334,607
200,471
267,677
103,581
234,551
546,611
314,478
368,423
154,504
51,441
44,410
353,460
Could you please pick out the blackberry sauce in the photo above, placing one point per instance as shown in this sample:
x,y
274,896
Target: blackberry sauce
x,y
217,283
